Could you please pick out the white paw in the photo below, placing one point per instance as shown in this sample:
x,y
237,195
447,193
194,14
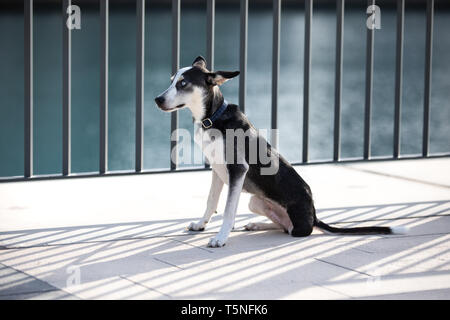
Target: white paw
x,y
216,242
196,226
251,226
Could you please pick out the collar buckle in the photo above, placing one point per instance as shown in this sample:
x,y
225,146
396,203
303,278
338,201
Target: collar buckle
x,y
207,123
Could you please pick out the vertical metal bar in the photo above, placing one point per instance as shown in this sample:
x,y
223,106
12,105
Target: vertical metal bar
x,y
104,58
210,28
243,54
28,98
369,87
340,5
399,75
428,66
306,77
66,82
275,69
175,67
140,53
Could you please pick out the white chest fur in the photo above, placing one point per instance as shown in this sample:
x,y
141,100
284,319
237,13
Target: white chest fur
x,y
212,145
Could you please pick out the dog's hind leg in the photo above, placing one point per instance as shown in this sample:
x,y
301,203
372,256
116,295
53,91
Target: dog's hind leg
x,y
276,213
302,217
259,206
211,205
258,226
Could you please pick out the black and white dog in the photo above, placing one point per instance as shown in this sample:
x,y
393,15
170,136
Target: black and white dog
x,y
282,195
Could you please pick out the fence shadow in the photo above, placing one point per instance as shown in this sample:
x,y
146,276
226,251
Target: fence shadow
x,y
169,262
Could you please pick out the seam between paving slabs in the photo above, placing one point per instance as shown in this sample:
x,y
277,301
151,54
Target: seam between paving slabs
x,y
342,267
146,287
35,278
346,268
332,290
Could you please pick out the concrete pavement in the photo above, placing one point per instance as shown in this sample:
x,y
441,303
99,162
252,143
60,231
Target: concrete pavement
x,y
124,238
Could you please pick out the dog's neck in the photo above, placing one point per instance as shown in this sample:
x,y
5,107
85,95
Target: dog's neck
x,y
213,101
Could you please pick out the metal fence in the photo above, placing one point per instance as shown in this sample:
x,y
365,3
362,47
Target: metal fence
x,y
176,11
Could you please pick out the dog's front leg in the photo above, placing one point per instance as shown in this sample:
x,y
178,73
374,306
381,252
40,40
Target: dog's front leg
x,y
211,205
236,177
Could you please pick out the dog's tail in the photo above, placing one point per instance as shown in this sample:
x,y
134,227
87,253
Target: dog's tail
x,y
360,230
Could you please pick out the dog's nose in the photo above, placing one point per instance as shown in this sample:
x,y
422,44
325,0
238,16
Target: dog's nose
x,y
159,100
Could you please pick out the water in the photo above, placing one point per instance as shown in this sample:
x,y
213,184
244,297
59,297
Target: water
x,y
86,79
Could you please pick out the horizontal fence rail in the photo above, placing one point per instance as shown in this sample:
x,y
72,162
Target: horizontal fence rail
x,y
243,45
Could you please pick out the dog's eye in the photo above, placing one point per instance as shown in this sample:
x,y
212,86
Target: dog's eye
x,y
183,83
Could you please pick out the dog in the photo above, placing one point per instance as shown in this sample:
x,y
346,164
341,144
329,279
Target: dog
x,y
283,196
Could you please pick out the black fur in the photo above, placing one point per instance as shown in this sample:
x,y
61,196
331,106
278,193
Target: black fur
x,y
286,187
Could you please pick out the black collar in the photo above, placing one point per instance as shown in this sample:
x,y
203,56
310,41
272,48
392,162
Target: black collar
x,y
208,122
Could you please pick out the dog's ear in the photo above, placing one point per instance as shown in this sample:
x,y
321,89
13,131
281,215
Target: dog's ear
x,y
220,77
199,62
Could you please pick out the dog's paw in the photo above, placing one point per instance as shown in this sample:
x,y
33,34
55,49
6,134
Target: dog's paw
x,y
196,226
216,242
251,226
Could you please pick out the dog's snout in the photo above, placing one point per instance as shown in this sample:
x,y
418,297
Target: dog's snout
x,y
159,100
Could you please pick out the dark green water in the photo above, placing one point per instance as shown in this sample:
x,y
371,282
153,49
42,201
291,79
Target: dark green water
x,y
86,83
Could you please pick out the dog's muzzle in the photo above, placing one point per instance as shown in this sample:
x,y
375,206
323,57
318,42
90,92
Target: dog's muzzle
x,y
160,101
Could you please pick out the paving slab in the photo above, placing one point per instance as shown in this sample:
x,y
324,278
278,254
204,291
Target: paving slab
x,y
434,213
125,238
15,284
96,270
46,295
411,170
385,211
47,204
419,284
416,226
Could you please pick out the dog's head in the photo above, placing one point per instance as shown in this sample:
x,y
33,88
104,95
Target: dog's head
x,y
193,87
